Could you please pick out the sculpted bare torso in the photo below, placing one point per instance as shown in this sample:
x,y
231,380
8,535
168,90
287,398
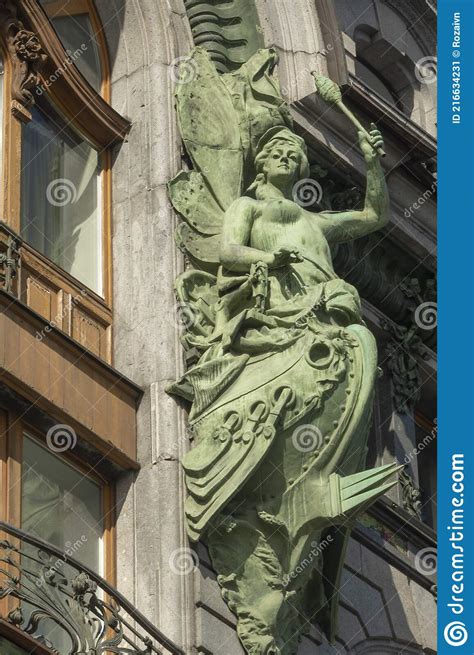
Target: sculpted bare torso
x,y
282,224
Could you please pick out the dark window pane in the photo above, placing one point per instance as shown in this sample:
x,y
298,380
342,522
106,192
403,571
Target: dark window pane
x,y
78,38
7,648
61,505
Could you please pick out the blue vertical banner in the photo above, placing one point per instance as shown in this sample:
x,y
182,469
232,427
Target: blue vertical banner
x,y
456,327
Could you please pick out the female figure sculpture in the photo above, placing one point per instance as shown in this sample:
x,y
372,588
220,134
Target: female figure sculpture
x,y
282,384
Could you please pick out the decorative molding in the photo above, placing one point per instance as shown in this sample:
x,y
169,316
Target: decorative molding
x,y
408,343
9,261
311,117
372,264
418,536
38,56
406,525
391,118
403,351
27,57
411,494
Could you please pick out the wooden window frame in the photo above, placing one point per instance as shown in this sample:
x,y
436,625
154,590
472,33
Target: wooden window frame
x,y
13,429
96,121
12,159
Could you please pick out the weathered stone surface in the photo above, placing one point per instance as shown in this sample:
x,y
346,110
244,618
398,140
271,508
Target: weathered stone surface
x,y
367,601
216,637
425,606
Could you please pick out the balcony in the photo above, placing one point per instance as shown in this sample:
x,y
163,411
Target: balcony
x,y
54,294
50,604
54,356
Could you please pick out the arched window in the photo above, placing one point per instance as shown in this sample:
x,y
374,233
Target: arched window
x,y
389,49
78,26
58,132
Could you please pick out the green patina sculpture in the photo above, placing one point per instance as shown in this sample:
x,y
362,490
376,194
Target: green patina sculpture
x,y
283,369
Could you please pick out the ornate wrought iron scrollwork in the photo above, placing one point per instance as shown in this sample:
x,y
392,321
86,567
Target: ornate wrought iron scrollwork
x,y
58,595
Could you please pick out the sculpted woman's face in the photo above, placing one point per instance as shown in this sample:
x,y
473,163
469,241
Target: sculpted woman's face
x,y
282,165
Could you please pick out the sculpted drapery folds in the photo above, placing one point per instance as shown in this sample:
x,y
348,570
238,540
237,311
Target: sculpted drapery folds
x,y
282,375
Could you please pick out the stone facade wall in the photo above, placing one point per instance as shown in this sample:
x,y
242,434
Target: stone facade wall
x,y
145,37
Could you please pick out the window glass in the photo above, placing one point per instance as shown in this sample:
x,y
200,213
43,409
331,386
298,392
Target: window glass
x,y
60,196
61,505
78,39
77,35
7,648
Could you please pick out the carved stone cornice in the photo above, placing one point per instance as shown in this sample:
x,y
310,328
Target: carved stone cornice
x,y
378,267
27,57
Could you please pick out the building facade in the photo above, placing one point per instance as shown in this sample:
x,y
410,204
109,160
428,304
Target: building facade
x,y
92,491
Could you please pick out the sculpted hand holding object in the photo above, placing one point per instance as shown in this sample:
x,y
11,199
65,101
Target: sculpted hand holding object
x,y
282,385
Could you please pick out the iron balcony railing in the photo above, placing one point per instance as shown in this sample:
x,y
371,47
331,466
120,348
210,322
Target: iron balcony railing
x,y
67,607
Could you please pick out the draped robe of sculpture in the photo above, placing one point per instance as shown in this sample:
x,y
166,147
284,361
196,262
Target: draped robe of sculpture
x,y
282,375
